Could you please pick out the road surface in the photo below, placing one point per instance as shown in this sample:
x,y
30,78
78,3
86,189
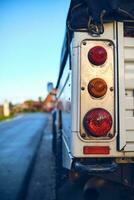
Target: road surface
x,y
42,183
19,140
27,165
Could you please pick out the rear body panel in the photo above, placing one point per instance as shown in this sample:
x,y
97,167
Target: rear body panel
x,y
73,104
126,83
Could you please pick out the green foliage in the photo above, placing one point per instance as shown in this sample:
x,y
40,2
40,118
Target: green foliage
x,y
2,118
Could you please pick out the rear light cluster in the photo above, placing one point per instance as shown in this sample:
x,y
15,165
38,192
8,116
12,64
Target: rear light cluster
x,y
97,121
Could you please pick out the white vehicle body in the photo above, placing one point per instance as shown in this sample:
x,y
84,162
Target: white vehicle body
x,y
76,102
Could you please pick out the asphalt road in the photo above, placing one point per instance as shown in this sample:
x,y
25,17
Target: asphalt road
x,y
42,183
27,165
19,141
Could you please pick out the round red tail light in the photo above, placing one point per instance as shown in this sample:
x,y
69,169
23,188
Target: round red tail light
x,y
97,55
97,122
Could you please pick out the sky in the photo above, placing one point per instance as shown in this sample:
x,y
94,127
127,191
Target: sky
x,y
31,36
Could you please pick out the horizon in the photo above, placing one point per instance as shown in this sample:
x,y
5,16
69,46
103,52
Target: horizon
x,y
21,102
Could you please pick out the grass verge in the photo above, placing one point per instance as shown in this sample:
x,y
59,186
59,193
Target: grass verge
x,y
2,118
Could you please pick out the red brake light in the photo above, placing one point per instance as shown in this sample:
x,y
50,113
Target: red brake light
x,y
97,55
97,122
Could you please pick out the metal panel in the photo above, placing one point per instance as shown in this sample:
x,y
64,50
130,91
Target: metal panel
x,y
121,86
129,89
129,147
129,82
129,103
77,143
126,92
89,72
130,136
129,52
130,123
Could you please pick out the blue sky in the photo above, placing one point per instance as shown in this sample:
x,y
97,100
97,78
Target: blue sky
x,y
31,35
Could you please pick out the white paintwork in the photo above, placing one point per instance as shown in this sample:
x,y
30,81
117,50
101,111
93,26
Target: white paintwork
x,y
126,66
129,88
75,89
122,106
121,82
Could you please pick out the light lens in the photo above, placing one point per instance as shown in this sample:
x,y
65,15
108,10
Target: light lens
x,y
97,87
96,150
97,55
97,122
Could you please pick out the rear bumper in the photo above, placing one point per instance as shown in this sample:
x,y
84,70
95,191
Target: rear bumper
x,y
95,168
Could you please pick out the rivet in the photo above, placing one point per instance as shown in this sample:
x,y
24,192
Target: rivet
x,y
83,135
84,43
111,89
82,88
110,135
110,44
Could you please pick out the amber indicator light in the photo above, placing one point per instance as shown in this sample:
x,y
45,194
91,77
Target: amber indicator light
x,y
97,87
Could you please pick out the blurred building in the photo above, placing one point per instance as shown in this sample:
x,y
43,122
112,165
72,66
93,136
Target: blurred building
x,y
31,105
46,105
6,109
50,101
